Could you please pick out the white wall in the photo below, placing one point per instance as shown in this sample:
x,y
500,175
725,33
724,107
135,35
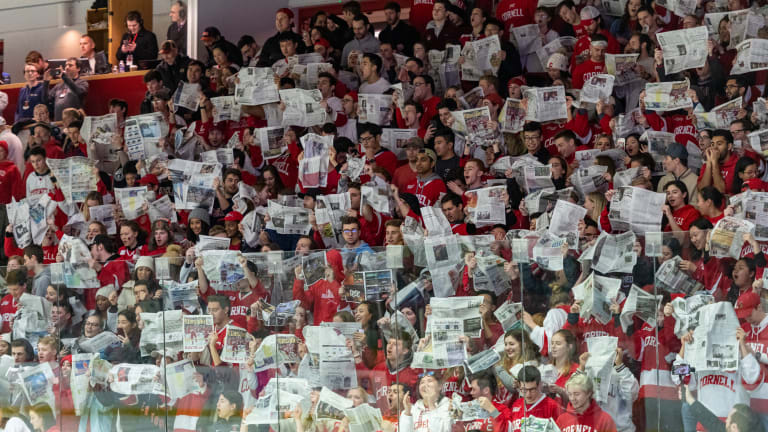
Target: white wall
x,y
53,27
260,21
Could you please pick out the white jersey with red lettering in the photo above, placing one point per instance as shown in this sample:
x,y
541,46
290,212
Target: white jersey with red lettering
x,y
37,184
622,393
423,419
754,373
720,391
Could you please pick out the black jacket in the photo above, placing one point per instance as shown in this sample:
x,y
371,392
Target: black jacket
x,y
402,37
178,34
146,46
175,73
270,52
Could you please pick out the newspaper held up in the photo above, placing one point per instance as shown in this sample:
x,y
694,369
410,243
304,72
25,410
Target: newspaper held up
x,y
667,96
302,107
714,347
256,86
546,104
684,49
727,239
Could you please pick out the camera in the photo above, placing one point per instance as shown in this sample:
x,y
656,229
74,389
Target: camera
x,y
682,369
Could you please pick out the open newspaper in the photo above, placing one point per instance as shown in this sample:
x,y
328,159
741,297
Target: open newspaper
x,y
641,304
395,140
302,107
727,239
596,294
622,67
98,132
742,25
720,117
374,108
667,96
288,220
509,315
671,279
225,108
758,140
546,104
751,56
135,379
760,109
636,209
599,367
480,58
308,73
161,330
683,49
142,135
466,309
714,347
527,39
475,123
512,116
614,253
76,176
444,67
686,311
563,44
196,329
598,88
564,222
256,86
187,96
590,179
486,206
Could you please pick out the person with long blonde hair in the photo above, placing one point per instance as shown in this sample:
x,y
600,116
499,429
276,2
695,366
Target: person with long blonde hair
x,y
519,349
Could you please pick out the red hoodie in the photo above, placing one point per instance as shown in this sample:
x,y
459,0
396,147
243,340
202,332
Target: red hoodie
x,y
11,184
594,419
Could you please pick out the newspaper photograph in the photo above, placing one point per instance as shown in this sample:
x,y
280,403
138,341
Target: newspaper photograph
x,y
374,108
76,176
726,238
667,96
256,86
187,96
331,405
683,49
714,347
196,329
38,385
760,109
236,346
308,73
395,140
442,251
368,286
598,88
590,179
637,209
161,329
512,117
480,58
302,107
545,104
444,67
79,381
751,56
225,108
313,268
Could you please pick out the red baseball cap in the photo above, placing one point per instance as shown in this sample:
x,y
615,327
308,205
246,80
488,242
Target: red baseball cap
x,y
746,303
353,94
233,216
285,11
323,42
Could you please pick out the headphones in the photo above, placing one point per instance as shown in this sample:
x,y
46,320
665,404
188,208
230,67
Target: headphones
x,y
182,10
135,16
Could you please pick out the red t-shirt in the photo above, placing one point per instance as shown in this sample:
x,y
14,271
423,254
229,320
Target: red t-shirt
x,y
727,171
427,191
515,13
544,408
586,70
7,311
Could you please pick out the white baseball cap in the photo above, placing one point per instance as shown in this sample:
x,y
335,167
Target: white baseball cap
x,y
558,61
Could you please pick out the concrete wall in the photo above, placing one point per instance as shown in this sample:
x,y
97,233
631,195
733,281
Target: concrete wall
x,y
53,27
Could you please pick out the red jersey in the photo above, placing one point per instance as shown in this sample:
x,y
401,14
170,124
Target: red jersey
x,y
387,160
8,307
515,13
593,419
403,175
240,305
144,250
129,254
428,190
452,386
588,328
382,378
727,170
544,408
684,217
500,423
644,347
757,339
420,14
585,71
322,298
287,165
549,130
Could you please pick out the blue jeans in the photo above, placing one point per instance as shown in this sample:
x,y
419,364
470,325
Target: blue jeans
x,y
689,420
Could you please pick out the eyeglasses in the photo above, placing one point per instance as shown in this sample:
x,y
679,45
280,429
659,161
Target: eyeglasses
x,y
419,84
427,373
528,390
352,231
531,138
367,139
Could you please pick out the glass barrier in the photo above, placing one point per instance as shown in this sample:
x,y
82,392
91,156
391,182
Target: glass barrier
x,y
355,339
